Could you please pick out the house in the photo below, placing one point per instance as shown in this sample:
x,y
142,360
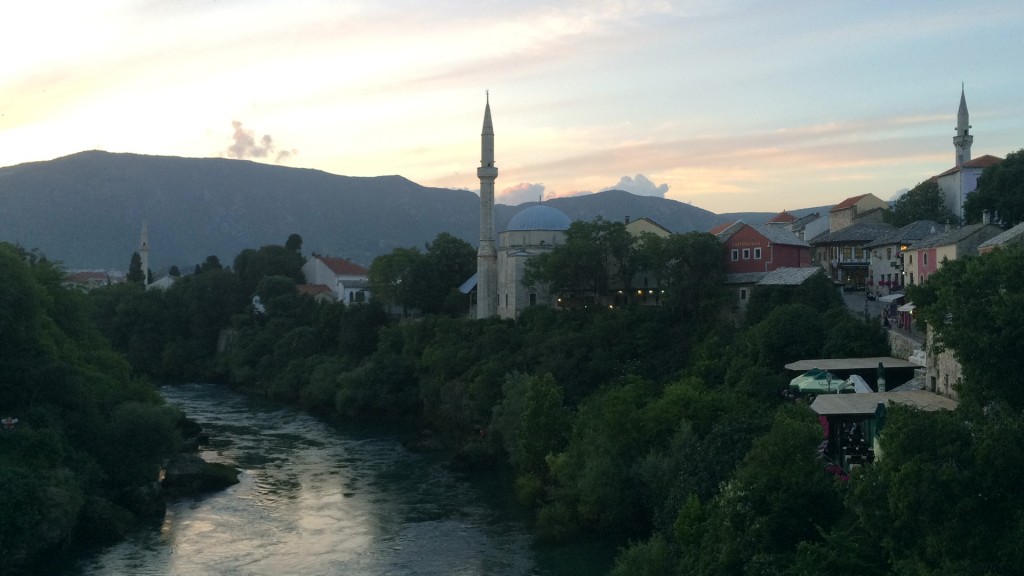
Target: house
x,y
958,182
1010,237
842,254
885,263
925,257
87,279
762,248
863,208
347,281
646,285
642,225
808,226
318,292
744,283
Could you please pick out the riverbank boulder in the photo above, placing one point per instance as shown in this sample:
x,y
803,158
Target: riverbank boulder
x,y
187,474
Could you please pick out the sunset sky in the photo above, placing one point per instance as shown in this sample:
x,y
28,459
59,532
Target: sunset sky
x,y
728,105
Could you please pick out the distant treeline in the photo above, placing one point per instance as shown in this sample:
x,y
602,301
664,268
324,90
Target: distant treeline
x,y
661,428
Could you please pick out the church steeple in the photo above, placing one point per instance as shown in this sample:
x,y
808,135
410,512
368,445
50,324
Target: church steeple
x,y
487,255
963,139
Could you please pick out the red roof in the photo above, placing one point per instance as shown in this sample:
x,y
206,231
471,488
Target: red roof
x,y
312,289
783,217
983,161
87,275
979,162
342,267
847,203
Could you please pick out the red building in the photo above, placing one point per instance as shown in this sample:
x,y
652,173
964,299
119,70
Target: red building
x,y
761,248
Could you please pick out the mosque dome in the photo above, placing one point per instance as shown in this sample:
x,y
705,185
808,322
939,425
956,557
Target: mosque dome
x,y
539,217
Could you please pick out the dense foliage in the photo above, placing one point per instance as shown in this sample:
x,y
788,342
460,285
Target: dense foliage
x,y
83,458
1000,192
924,201
660,428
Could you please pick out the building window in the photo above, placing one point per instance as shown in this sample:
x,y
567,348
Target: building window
x,y
924,258
910,260
533,299
743,294
735,254
888,253
746,253
911,278
506,299
757,253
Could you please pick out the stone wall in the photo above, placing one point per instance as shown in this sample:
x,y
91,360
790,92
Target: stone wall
x,y
901,345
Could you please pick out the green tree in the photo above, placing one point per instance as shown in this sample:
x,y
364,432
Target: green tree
x,y
294,243
252,266
211,263
976,308
1000,192
446,264
924,201
594,257
136,274
390,275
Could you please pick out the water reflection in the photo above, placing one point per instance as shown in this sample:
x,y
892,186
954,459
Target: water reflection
x,y
315,500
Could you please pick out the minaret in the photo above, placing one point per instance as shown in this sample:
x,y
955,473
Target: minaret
x,y
487,256
144,253
962,141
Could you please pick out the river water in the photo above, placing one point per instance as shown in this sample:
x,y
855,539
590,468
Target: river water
x,y
315,499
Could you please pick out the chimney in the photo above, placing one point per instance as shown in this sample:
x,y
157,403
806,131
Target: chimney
x,y
986,217
627,219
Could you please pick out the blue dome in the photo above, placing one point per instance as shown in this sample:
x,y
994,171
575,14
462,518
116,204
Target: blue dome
x,y
538,217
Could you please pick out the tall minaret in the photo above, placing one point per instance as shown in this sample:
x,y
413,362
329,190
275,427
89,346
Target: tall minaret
x,y
487,256
963,139
144,253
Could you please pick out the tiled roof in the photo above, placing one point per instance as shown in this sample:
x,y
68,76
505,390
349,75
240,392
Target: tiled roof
x,y
721,227
789,276
979,162
1000,239
744,277
778,235
86,275
863,232
782,217
312,289
912,232
801,222
342,267
953,236
727,232
847,203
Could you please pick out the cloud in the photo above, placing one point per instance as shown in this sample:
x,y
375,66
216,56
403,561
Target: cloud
x,y
640,185
245,146
520,193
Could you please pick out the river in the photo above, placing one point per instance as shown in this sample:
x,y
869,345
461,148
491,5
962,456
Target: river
x,y
314,499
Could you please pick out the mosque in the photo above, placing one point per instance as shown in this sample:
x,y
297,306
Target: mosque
x,y
533,231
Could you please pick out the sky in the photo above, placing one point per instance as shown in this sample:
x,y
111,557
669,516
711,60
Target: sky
x,y
724,104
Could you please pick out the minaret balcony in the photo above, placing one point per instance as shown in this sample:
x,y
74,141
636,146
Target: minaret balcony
x,y
487,172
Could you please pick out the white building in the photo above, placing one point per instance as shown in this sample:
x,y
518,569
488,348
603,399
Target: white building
x,y
348,282
531,232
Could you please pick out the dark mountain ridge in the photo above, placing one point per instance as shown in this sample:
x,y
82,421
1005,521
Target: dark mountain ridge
x,y
87,209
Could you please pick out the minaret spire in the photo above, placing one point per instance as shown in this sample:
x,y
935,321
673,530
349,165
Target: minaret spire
x,y
963,139
487,256
144,253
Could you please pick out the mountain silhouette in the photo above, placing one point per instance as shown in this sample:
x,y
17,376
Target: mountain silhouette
x,y
87,209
